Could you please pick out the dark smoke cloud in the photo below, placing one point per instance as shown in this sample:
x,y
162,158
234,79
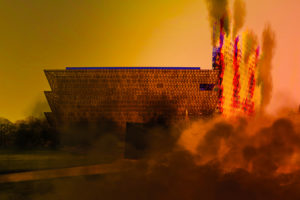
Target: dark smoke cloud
x,y
239,14
217,10
265,67
236,159
252,145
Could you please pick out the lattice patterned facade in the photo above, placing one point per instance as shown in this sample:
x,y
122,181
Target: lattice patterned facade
x,y
130,95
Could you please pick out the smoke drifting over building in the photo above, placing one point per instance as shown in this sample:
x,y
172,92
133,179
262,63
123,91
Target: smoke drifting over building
x,y
215,158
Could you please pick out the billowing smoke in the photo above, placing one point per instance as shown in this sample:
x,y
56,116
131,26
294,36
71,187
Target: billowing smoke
x,y
239,14
256,158
261,147
213,159
265,67
218,13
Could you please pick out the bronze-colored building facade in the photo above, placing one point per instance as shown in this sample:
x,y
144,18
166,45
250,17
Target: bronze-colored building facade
x,y
130,94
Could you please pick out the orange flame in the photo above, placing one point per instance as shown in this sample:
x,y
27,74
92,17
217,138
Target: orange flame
x,y
239,92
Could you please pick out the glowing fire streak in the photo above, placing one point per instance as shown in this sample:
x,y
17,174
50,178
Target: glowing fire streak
x,y
236,77
239,93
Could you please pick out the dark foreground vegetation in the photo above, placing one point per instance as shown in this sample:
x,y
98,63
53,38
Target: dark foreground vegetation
x,y
38,134
32,133
33,144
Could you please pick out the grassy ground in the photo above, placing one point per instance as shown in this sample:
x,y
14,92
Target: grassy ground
x,y
18,161
58,189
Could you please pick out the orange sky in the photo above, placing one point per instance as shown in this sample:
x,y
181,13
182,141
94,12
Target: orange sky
x,y
53,34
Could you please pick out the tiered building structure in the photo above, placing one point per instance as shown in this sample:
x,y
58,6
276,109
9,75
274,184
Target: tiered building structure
x,y
130,94
139,94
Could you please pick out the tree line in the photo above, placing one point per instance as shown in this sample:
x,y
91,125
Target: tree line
x,y
31,133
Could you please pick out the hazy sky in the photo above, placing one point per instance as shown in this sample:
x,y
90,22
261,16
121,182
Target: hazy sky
x,y
54,34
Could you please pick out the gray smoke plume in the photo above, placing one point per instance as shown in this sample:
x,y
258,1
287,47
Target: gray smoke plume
x,y
251,42
218,10
239,14
265,67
